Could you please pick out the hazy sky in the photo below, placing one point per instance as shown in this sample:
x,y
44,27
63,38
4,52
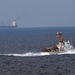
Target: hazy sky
x,y
38,13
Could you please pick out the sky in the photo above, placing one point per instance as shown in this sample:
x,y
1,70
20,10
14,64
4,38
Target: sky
x,y
38,13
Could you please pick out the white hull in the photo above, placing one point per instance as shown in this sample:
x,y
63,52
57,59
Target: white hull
x,y
71,51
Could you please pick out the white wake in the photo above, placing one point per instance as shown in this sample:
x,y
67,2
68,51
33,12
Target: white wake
x,y
27,54
40,54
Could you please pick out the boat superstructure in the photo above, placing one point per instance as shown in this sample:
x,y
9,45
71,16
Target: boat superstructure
x,y
14,24
62,45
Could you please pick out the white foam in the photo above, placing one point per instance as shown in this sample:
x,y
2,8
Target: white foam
x,y
40,53
27,54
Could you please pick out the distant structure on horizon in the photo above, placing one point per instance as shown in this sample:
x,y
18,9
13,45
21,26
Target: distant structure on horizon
x,y
13,24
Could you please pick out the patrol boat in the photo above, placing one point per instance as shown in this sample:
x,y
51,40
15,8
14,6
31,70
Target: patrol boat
x,y
61,47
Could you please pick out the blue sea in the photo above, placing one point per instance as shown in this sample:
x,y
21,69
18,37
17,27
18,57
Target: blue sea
x,y
32,41
22,40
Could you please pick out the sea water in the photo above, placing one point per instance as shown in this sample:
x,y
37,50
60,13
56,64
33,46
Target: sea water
x,y
20,50
32,40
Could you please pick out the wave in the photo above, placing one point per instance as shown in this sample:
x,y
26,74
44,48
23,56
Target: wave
x,y
29,54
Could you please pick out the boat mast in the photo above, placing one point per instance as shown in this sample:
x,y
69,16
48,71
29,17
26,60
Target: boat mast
x,y
60,37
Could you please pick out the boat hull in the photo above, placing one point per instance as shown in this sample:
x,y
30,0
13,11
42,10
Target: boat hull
x,y
54,53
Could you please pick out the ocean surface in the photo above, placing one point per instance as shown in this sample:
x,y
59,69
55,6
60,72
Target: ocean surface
x,y
20,51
